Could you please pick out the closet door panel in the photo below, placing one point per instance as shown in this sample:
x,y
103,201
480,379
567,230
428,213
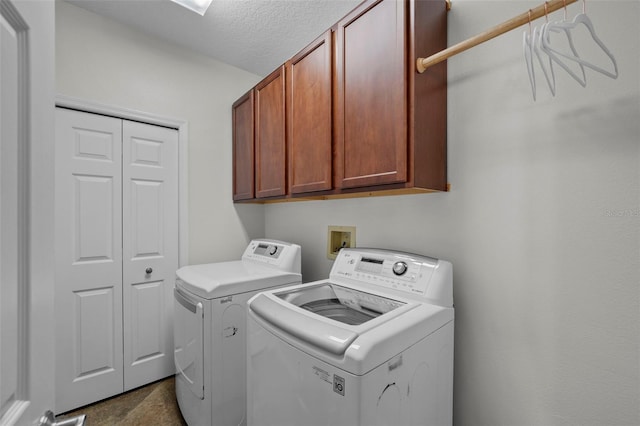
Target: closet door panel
x,y
150,250
148,311
88,258
95,334
93,219
146,198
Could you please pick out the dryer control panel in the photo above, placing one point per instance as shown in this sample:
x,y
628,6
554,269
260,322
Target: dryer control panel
x,y
405,272
274,253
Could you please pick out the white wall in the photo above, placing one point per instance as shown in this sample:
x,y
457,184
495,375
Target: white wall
x,y
101,61
542,225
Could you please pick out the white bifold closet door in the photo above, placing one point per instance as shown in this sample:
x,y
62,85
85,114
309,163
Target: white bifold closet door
x,y
116,255
149,250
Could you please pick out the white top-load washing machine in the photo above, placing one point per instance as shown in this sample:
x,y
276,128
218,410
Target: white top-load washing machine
x,y
371,345
210,328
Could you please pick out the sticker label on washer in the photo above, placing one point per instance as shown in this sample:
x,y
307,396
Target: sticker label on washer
x,y
338,384
322,374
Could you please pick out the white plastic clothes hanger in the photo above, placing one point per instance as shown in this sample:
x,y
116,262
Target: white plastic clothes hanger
x,y
527,46
545,39
566,26
537,40
582,18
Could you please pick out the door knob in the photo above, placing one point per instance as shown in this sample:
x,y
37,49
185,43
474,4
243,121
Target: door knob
x,y
148,270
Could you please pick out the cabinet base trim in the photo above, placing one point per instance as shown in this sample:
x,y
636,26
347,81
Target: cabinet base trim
x,y
377,193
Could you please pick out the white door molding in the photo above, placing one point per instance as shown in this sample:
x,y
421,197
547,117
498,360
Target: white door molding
x,y
182,126
14,208
26,174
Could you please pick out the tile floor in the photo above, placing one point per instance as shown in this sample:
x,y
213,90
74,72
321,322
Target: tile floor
x,y
154,404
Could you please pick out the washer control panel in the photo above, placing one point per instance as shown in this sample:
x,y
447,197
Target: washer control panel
x,y
399,271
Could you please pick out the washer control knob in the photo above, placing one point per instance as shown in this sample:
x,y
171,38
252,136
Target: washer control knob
x,y
273,250
399,268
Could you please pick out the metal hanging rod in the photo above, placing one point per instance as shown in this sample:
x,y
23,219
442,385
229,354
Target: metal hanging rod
x,y
550,6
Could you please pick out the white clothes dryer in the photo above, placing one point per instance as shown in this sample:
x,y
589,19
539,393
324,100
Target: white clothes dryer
x,y
210,328
371,345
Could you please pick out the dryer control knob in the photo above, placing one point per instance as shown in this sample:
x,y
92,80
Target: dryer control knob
x,y
399,268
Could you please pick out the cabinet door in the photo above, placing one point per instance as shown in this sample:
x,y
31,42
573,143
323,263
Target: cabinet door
x,y
371,84
270,140
243,148
88,220
150,250
309,117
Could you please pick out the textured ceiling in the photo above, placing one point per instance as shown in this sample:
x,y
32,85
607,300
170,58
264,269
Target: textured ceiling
x,y
255,35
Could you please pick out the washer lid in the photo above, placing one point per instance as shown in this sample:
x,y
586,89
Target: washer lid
x,y
328,316
384,326
331,338
213,280
339,303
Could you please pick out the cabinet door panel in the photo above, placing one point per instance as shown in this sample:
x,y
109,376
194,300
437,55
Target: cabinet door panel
x,y
270,142
309,117
371,110
243,177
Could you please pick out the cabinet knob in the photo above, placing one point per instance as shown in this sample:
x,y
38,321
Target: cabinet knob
x,y
148,270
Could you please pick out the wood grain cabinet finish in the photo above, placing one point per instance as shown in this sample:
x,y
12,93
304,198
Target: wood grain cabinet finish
x,y
371,108
390,122
309,117
242,129
270,135
349,115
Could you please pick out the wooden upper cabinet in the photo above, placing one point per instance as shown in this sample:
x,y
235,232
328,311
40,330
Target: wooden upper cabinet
x,y
309,100
270,135
242,128
427,98
371,95
350,114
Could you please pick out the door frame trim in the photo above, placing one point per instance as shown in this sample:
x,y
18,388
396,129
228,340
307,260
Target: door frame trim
x,y
181,125
17,405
